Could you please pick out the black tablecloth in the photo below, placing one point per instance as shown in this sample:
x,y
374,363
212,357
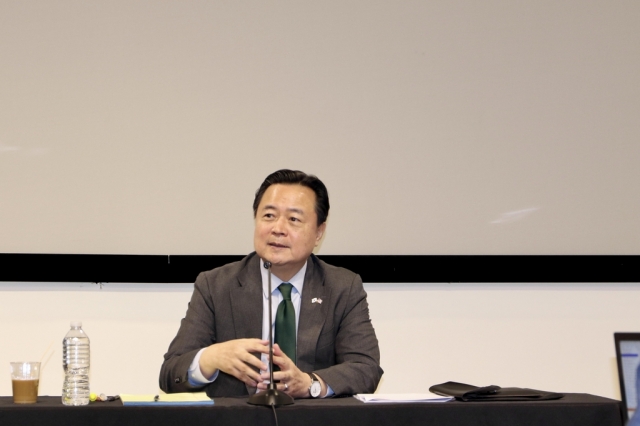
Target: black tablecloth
x,y
573,409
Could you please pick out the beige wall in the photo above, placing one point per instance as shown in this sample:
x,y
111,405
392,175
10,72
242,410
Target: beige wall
x,y
447,126
555,337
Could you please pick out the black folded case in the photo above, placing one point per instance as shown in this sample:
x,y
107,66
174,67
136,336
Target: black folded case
x,y
463,392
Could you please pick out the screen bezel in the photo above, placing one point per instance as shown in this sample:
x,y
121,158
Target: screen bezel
x,y
622,337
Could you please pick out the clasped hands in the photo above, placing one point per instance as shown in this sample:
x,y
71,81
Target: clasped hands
x,y
237,358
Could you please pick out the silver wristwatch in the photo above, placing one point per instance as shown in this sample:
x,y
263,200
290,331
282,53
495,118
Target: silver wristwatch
x,y
316,388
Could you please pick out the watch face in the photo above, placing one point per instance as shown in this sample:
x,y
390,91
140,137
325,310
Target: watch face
x,y
315,389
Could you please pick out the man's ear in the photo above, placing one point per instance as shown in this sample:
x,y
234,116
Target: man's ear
x,y
320,232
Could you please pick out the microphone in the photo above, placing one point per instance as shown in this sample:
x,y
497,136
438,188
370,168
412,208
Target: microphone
x,y
272,396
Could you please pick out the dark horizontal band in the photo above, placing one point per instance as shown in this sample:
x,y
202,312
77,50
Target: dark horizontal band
x,y
372,268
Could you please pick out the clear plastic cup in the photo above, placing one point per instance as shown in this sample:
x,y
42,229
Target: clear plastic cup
x,y
25,377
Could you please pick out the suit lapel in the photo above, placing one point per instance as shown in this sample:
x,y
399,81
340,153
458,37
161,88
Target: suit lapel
x,y
246,304
312,315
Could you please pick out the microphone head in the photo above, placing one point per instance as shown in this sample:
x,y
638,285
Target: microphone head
x,y
267,265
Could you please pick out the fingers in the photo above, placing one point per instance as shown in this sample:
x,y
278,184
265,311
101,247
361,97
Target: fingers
x,y
282,387
286,367
289,378
251,360
245,358
247,375
255,345
280,358
237,358
278,352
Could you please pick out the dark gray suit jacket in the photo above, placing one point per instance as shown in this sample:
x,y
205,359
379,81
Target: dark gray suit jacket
x,y
335,338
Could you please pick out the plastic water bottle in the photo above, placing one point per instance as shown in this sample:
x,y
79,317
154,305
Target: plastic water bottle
x,y
75,362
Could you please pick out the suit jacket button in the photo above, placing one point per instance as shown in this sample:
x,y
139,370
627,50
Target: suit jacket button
x,y
177,380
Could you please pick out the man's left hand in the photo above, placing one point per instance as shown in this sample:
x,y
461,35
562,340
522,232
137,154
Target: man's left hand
x,y
292,381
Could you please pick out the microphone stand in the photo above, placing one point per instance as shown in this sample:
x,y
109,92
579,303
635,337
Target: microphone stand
x,y
272,396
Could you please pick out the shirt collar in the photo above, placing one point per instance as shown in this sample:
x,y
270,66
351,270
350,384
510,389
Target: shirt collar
x,y
297,281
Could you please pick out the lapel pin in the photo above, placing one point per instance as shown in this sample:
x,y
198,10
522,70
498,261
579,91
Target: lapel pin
x,y
316,300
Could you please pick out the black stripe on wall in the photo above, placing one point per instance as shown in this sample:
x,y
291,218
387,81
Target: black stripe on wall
x,y
372,269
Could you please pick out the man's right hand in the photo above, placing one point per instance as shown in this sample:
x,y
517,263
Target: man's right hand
x,y
236,357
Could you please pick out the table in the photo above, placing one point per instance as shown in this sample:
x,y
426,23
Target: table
x,y
573,409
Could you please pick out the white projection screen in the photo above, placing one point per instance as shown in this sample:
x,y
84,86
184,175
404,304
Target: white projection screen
x,y
439,127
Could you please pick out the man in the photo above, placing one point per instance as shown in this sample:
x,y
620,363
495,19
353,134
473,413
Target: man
x,y
222,345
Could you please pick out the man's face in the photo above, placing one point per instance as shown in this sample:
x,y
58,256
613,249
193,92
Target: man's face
x,y
286,228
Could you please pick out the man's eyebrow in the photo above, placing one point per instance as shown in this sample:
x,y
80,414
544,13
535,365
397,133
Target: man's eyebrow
x,y
291,209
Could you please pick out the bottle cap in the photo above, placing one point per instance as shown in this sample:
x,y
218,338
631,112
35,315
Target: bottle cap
x,y
76,323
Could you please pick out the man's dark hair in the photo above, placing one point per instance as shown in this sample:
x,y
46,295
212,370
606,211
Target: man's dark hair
x,y
296,177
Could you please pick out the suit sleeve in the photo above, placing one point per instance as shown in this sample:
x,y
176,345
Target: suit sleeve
x,y
197,331
357,355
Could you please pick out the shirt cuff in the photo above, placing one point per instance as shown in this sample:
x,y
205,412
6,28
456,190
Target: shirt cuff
x,y
196,378
330,392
